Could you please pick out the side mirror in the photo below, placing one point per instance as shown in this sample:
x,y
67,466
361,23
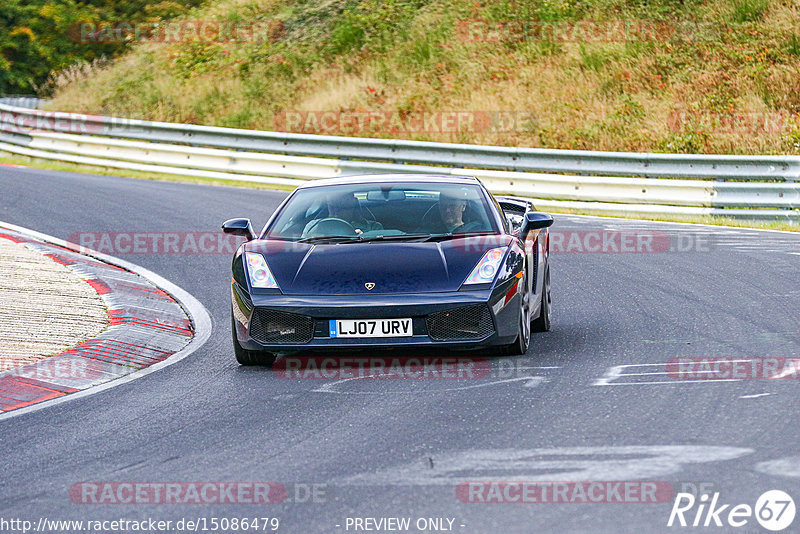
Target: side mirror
x,y
240,227
535,220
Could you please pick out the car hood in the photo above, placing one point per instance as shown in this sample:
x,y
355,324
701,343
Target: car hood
x,y
350,268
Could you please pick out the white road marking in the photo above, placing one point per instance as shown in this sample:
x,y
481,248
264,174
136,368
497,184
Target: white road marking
x,y
783,467
662,383
331,387
561,463
787,372
616,372
755,396
612,374
534,381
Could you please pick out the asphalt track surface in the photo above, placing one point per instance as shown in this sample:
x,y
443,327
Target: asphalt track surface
x,y
399,448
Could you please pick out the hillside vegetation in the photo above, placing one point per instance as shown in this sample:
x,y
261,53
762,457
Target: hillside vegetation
x,y
715,76
38,37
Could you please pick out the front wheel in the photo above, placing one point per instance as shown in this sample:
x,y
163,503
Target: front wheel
x,y
523,341
249,357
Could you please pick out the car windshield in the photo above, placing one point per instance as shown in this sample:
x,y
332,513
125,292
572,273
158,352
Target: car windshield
x,y
373,212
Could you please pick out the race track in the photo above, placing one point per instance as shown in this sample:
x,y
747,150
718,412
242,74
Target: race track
x,y
400,448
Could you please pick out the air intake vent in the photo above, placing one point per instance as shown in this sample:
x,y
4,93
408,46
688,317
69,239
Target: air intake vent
x,y
469,322
270,326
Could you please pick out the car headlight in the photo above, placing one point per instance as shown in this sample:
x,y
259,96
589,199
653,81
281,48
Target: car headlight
x,y
260,275
486,269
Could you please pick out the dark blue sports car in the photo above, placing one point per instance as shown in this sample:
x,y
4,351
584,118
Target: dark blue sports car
x,y
391,261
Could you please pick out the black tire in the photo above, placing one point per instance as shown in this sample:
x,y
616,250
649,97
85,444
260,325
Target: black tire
x,y
249,357
520,345
542,323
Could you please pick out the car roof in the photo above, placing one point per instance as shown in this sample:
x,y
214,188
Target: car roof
x,y
392,178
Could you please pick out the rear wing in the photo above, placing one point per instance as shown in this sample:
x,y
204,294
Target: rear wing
x,y
515,204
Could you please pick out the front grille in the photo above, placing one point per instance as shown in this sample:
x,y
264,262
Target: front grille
x,y
469,322
270,326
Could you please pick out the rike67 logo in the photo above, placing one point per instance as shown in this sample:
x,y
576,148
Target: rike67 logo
x,y
774,510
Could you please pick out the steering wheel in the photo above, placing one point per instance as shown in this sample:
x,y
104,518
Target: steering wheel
x,y
330,226
431,221
471,226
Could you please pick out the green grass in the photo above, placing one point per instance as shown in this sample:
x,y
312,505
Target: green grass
x,y
749,10
793,45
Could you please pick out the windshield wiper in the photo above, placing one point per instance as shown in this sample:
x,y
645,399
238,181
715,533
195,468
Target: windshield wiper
x,y
448,236
361,239
320,238
398,237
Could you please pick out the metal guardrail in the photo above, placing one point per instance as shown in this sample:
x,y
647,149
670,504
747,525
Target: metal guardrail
x,y
21,101
630,182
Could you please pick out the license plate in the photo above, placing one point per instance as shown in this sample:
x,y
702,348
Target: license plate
x,y
371,328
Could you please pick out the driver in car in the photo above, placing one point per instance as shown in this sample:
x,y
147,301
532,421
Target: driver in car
x,y
346,208
448,215
451,210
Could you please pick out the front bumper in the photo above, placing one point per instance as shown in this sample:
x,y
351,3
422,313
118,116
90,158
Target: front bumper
x,y
502,304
